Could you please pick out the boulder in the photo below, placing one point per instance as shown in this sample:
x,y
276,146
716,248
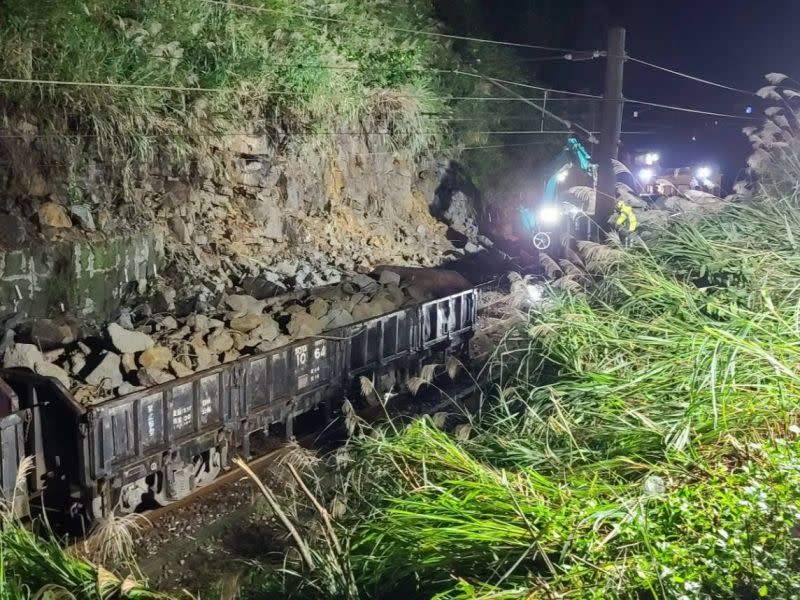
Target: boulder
x,y
47,369
168,323
654,219
204,359
318,308
365,283
245,304
48,333
83,215
242,341
267,212
151,377
418,294
128,363
389,277
25,356
386,302
198,323
77,362
337,317
164,298
126,340
303,325
106,374
266,346
216,323
371,309
54,215
230,355
268,330
219,341
180,369
53,355
181,230
247,323
7,340
157,357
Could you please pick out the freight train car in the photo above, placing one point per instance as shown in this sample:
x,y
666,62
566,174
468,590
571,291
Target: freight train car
x,y
158,445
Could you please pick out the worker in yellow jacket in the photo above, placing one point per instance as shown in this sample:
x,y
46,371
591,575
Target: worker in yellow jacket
x,y
626,221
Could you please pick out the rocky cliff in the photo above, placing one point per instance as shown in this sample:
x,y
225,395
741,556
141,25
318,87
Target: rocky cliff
x,y
261,213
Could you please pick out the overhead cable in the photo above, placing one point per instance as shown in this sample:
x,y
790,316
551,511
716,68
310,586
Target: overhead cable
x,y
109,84
691,77
529,86
392,28
691,110
544,111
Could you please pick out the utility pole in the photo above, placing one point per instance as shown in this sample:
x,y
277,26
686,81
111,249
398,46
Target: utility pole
x,y
610,128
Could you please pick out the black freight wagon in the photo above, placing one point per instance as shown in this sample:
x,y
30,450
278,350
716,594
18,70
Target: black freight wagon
x,y
157,445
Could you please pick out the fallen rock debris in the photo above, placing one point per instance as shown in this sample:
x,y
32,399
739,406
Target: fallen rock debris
x,y
161,347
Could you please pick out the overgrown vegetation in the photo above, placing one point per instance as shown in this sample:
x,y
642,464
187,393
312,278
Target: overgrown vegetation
x,y
643,442
313,70
40,568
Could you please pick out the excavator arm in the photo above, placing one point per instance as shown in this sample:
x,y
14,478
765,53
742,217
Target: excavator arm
x,y
573,154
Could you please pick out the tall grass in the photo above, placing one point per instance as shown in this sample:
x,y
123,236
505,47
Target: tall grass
x,y
271,71
39,567
643,441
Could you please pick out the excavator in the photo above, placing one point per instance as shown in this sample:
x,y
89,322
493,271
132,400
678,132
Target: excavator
x,y
555,221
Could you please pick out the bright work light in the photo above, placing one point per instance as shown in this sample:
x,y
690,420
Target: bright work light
x,y
704,172
646,175
549,215
651,158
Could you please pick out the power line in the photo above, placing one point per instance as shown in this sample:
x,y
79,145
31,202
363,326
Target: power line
x,y
390,27
543,110
173,88
267,92
507,99
691,77
691,110
169,88
571,57
528,85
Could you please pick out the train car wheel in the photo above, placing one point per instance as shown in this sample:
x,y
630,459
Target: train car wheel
x,y
158,489
131,496
206,467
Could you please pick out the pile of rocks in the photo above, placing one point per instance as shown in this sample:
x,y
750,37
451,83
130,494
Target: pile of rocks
x,y
126,358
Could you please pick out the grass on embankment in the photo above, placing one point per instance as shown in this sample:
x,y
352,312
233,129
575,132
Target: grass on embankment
x,y
306,70
643,443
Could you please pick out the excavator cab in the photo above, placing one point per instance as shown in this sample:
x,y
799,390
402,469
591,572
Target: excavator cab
x,y
557,221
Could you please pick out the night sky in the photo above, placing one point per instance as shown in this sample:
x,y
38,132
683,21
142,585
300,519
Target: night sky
x,y
730,41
